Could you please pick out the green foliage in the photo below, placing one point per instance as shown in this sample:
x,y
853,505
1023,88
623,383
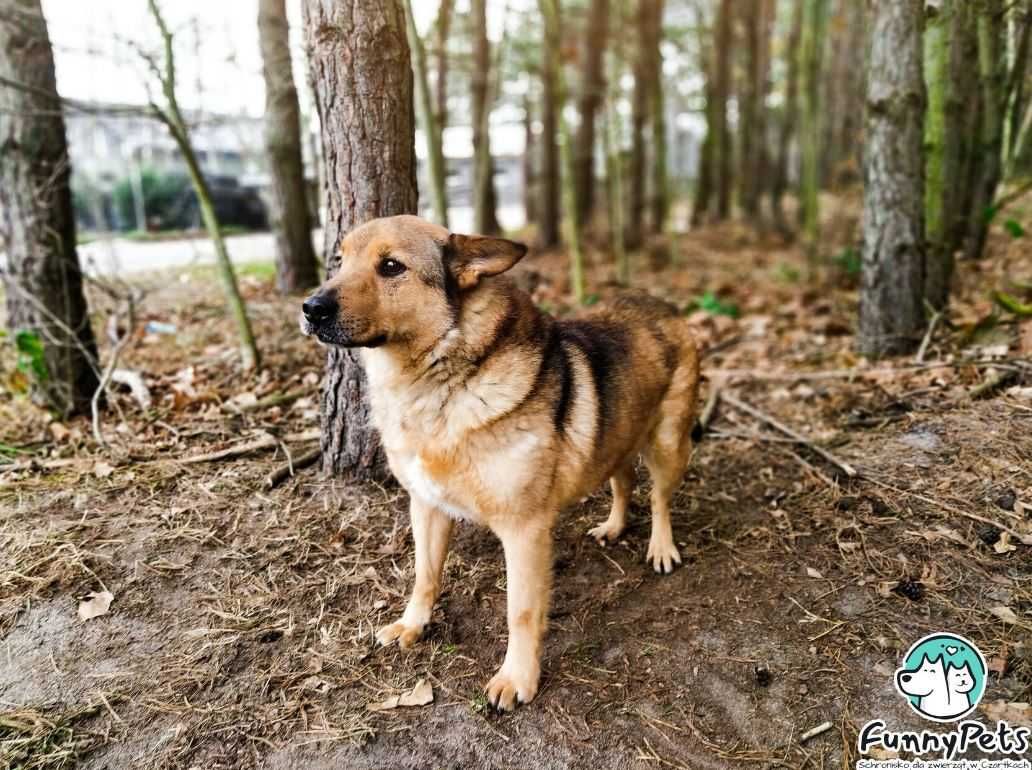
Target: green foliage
x,y
167,199
31,356
710,303
591,299
1014,227
1012,304
787,273
848,261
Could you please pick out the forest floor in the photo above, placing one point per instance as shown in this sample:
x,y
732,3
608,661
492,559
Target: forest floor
x,y
241,628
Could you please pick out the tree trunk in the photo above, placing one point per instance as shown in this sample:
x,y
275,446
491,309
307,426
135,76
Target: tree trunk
x,y
757,20
992,72
362,80
593,88
810,137
613,137
723,152
641,107
548,179
41,277
939,264
1016,92
553,62
892,286
295,258
434,149
789,120
442,29
660,203
484,197
530,148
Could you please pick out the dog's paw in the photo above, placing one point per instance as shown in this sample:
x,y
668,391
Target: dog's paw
x,y
407,635
512,685
663,555
606,532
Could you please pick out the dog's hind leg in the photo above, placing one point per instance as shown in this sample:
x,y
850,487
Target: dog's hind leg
x,y
623,485
431,531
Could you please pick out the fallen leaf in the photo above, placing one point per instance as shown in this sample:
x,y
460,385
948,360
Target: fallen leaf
x,y
102,469
59,431
94,605
810,571
1006,614
1012,713
420,695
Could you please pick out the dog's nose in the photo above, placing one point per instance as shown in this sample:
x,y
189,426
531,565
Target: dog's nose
x,y
319,307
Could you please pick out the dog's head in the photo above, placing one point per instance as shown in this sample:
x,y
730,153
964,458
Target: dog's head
x,y
923,680
401,281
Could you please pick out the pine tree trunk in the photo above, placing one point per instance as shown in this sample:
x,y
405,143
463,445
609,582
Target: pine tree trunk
x,y
757,20
295,258
660,202
442,30
992,71
789,120
592,93
892,287
362,80
810,136
553,62
723,152
41,277
548,180
641,107
484,197
530,151
939,266
428,117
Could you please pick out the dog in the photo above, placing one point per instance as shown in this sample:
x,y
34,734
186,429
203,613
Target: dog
x,y
942,690
493,412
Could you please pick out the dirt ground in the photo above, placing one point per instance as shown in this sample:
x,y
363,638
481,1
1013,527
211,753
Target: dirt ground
x,y
241,628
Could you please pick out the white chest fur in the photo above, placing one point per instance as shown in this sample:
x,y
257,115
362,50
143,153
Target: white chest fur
x,y
420,485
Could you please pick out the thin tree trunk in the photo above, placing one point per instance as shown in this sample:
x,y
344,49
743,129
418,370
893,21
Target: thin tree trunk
x,y
553,62
172,117
1022,21
42,282
705,176
814,24
614,153
723,152
530,149
641,105
964,101
939,265
992,70
789,120
592,94
442,29
757,19
431,130
484,197
548,184
892,286
660,187
362,80
296,267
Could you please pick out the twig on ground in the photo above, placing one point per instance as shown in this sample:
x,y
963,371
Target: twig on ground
x,y
112,364
264,441
813,732
276,399
853,374
845,467
932,325
993,380
706,416
289,469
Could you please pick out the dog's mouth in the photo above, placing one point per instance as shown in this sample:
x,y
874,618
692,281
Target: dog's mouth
x,y
332,335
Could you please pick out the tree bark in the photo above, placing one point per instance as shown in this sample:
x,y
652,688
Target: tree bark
x,y
484,197
810,52
295,258
660,202
442,29
643,102
592,93
789,120
723,155
41,277
757,21
939,263
362,80
892,284
529,166
548,179
992,71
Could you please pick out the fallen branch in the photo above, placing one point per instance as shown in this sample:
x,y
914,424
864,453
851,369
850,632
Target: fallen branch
x,y
994,380
291,467
264,441
845,467
932,325
276,399
853,374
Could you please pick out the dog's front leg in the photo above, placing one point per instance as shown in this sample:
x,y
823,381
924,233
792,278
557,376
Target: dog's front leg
x,y
431,530
528,567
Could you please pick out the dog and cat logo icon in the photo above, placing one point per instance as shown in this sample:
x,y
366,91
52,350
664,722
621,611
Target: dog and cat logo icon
x,y
942,677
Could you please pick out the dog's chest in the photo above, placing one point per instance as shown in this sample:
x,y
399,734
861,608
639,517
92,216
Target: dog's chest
x,y
418,477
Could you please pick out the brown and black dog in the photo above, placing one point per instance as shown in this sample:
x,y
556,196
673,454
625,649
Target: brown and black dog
x,y
493,412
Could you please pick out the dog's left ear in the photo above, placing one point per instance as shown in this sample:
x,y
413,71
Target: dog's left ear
x,y
472,257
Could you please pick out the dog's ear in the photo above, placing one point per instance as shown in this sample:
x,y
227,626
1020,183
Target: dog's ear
x,y
472,257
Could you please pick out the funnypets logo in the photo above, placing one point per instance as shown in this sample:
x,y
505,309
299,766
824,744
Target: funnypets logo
x,y
943,679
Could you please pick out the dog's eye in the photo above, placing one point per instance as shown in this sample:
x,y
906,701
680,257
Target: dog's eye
x,y
390,268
